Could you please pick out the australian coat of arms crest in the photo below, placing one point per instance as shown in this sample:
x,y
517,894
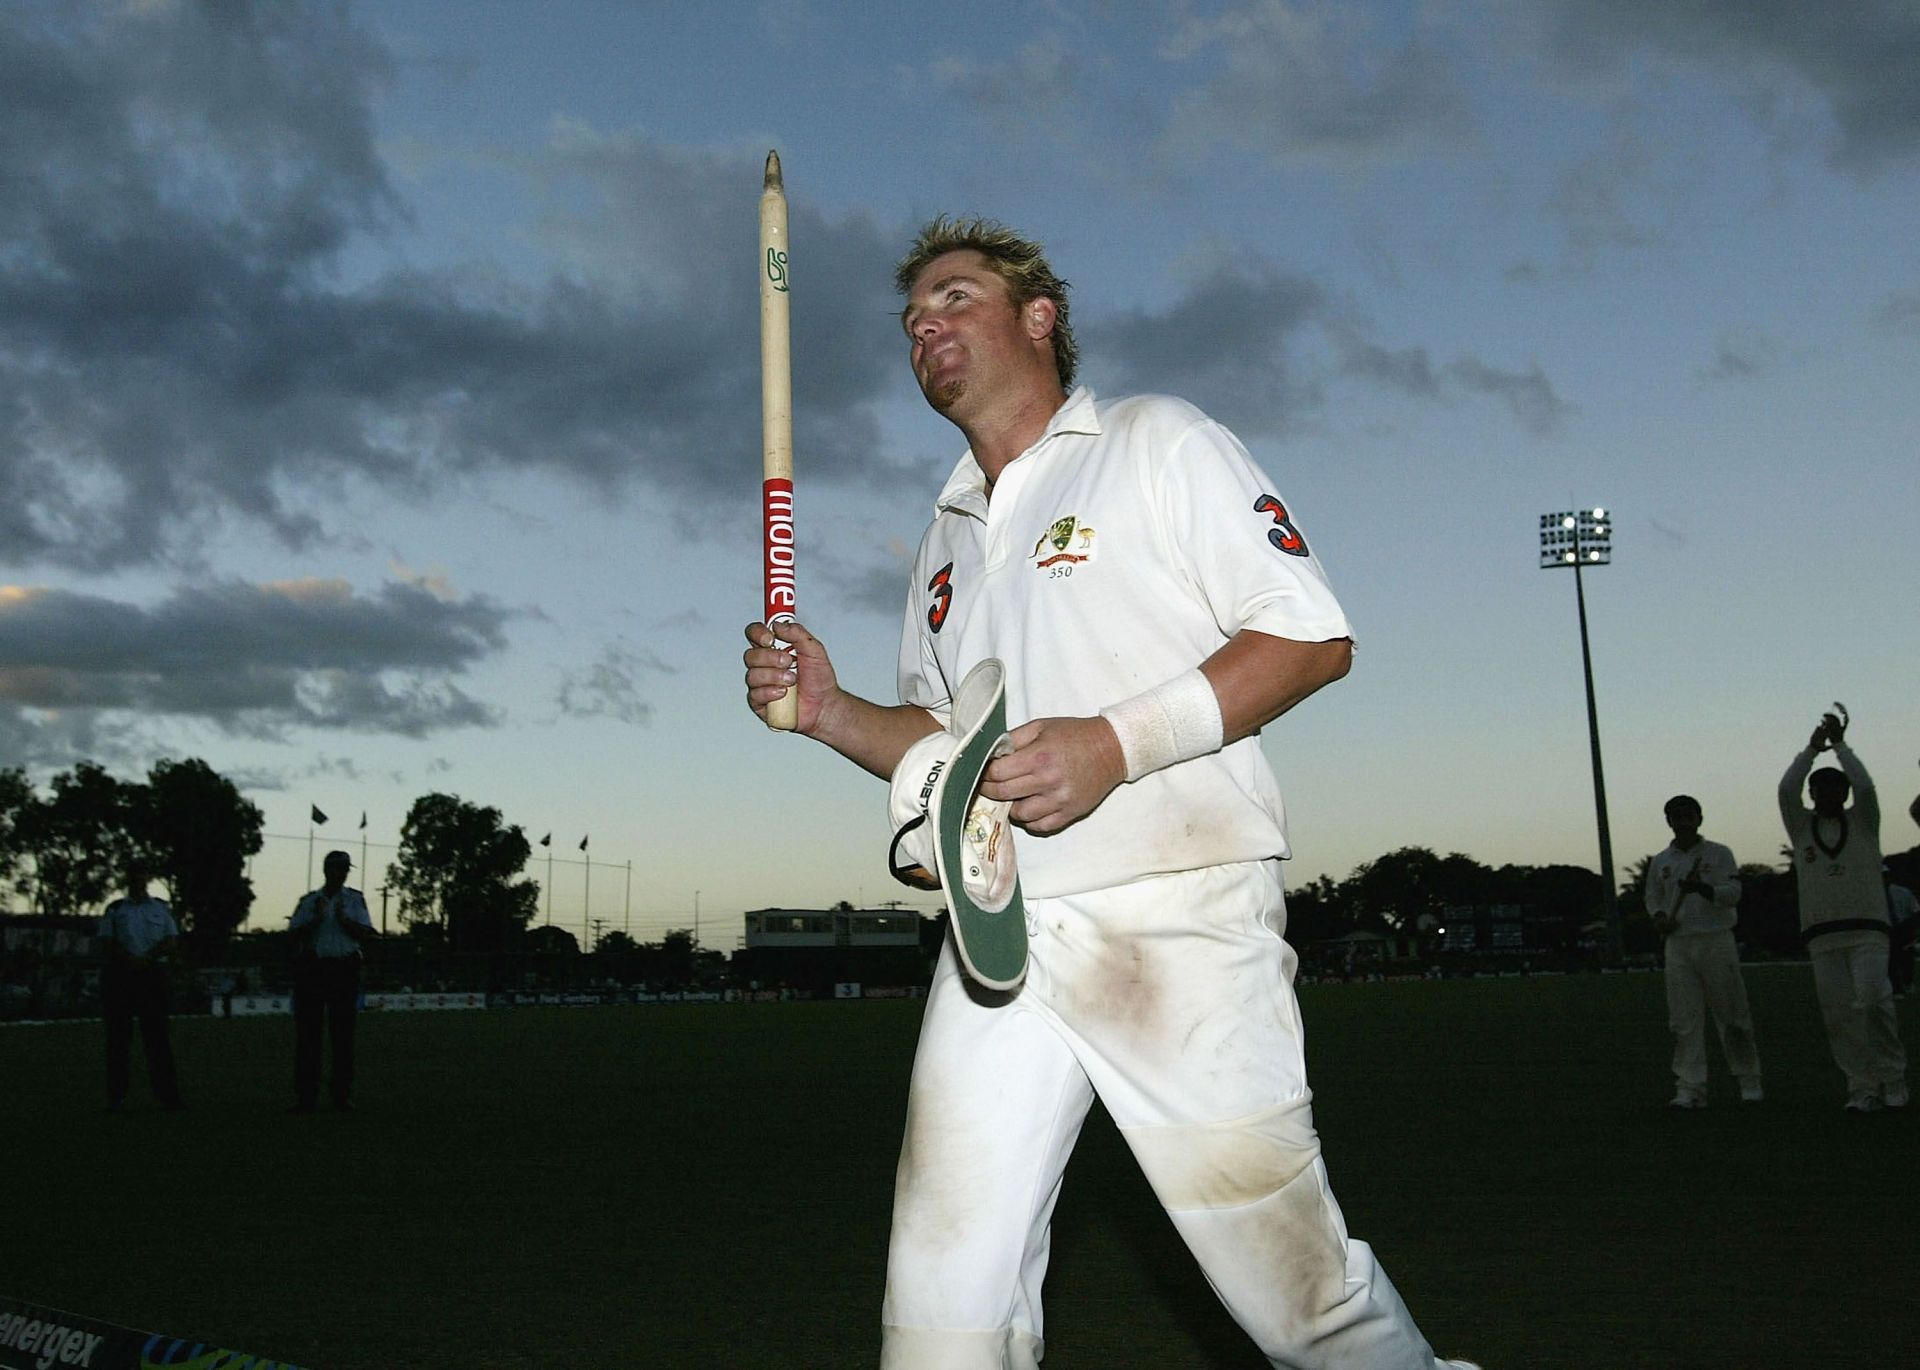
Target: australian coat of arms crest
x,y
1067,540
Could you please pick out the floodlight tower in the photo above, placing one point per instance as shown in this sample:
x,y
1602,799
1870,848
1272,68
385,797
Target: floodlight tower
x,y
1581,538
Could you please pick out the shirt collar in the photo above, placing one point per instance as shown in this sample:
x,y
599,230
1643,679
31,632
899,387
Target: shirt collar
x,y
966,489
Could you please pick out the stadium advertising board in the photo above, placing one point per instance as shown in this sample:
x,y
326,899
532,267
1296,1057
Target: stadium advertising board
x,y
36,1338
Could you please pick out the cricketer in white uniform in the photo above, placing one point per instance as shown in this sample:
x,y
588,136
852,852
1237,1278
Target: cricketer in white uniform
x,y
1843,917
1155,604
1692,890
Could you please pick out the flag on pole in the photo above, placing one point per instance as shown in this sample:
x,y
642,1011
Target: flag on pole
x,y
583,844
547,841
318,817
363,820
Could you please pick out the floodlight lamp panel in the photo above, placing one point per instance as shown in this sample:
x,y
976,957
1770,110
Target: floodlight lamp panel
x,y
1567,522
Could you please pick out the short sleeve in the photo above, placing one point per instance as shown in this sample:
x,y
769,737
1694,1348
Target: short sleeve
x,y
1240,543
921,681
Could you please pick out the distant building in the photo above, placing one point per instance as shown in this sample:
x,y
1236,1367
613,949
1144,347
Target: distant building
x,y
47,934
1505,929
48,965
840,926
812,950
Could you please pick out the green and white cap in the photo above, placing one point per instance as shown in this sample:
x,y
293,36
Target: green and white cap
x,y
949,836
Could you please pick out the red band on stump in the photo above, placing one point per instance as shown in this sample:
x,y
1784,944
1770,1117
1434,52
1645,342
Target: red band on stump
x,y
777,545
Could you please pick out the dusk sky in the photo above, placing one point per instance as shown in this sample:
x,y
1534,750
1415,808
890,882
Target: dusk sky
x,y
379,405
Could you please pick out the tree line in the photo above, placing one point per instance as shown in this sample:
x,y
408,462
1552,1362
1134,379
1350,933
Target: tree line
x,y
460,885
1408,892
66,850
186,825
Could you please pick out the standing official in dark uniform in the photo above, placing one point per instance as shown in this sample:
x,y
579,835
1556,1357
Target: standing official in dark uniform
x,y
328,927
137,931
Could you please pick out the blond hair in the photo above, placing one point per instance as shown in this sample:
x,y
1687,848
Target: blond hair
x,y
1020,262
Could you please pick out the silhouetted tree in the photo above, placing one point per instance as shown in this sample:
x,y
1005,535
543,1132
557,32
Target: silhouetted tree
x,y
83,836
201,832
1769,909
1316,912
457,868
552,940
670,961
1397,888
1559,891
616,944
1638,934
16,800
1904,866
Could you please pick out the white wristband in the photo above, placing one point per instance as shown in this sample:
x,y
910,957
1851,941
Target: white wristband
x,y
1173,722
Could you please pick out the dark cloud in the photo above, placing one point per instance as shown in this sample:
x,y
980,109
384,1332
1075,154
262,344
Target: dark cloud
x,y
610,686
1230,344
1860,57
41,740
867,572
1743,354
1900,314
1255,347
252,660
1529,394
178,184
1407,369
1412,372
1039,90
877,588
680,621
1312,82
1611,197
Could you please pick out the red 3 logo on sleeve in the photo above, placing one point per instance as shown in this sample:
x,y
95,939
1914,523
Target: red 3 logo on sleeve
x,y
942,587
1283,534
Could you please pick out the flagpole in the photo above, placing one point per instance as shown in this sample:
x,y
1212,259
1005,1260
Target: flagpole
x,y
549,880
363,846
626,913
586,903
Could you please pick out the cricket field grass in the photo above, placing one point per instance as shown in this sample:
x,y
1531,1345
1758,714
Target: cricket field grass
x,y
708,1186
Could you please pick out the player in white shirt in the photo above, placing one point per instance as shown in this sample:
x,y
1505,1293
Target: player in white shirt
x,y
328,926
1692,890
1155,605
137,932
1843,916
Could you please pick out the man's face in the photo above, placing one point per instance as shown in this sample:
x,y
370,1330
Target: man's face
x,y
968,340
1684,819
1829,797
337,872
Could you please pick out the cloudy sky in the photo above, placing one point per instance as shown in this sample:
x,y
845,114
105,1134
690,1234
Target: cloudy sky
x,y
378,402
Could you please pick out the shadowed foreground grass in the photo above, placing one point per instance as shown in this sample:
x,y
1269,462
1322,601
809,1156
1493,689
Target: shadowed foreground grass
x,y
708,1185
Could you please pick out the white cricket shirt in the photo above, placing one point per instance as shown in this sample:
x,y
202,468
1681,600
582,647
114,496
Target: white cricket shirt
x,y
331,910
1708,861
139,925
1837,861
1124,547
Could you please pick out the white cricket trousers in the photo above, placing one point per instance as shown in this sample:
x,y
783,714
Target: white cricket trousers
x,y
1172,999
1703,975
1856,1000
